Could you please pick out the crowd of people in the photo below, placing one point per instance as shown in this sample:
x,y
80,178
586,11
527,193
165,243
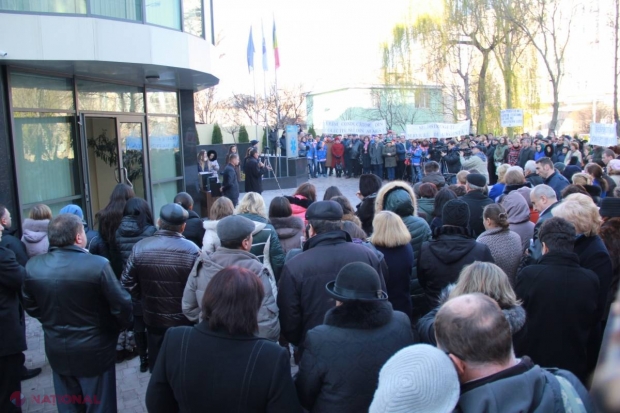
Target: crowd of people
x,y
439,291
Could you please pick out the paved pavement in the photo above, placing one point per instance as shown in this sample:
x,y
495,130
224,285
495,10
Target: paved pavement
x,y
130,383
348,187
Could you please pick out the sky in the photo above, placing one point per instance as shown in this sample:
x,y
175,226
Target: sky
x,y
323,44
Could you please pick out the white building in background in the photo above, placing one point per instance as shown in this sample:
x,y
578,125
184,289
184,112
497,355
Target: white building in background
x,y
96,92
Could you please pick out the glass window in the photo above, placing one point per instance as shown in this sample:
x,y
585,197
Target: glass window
x,y
40,92
55,6
108,97
164,193
45,147
119,9
165,13
192,17
163,102
164,152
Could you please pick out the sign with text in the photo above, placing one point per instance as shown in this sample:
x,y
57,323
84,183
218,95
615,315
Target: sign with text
x,y
438,130
511,118
292,148
603,134
354,127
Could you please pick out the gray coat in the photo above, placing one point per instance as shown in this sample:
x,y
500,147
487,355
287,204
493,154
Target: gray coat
x,y
205,269
376,153
389,153
504,245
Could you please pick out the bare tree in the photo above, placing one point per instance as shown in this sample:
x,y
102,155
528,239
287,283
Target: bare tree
x,y
547,24
206,105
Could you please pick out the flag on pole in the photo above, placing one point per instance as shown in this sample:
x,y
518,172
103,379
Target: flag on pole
x,y
264,51
250,52
275,46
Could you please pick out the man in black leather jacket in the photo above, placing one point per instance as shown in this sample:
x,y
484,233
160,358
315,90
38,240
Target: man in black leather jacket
x,y
12,325
156,274
82,307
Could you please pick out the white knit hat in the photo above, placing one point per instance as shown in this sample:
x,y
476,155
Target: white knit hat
x,y
418,378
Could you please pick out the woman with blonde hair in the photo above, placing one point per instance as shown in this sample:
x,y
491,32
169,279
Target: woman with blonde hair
x,y
221,208
479,277
35,230
265,242
392,238
499,187
582,212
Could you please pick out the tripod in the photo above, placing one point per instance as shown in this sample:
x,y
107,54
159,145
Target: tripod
x,y
268,163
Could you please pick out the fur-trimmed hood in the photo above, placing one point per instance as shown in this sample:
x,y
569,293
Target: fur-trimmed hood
x,y
515,315
361,315
392,197
287,227
35,230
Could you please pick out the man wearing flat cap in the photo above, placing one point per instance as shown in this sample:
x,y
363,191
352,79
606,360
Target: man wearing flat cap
x,y
302,298
235,234
476,199
156,274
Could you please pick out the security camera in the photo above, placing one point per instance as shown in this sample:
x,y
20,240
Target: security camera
x,y
3,53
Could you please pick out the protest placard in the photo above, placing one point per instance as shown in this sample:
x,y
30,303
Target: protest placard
x,y
438,130
511,117
354,127
603,134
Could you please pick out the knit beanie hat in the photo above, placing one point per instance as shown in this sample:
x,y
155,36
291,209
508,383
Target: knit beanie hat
x,y
456,213
419,378
72,209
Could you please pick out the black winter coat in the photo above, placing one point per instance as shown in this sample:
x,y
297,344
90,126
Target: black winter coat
x,y
476,201
156,274
230,184
220,372
339,370
443,258
593,255
194,231
366,213
253,175
302,298
80,335
12,323
453,161
129,234
400,263
560,299
526,154
11,242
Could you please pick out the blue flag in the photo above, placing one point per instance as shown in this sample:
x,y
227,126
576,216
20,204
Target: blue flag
x,y
264,53
250,52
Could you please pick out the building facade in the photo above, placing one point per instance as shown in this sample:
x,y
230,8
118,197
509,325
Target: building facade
x,y
96,92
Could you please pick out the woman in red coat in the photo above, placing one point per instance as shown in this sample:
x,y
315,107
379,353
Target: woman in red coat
x,y
338,156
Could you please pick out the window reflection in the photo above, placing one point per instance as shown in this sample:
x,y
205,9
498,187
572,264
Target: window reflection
x,y
165,13
56,6
40,92
108,97
192,17
45,147
162,102
119,9
164,152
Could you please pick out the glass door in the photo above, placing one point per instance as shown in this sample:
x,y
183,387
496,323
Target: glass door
x,y
132,162
114,150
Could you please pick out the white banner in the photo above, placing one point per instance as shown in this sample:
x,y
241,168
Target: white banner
x,y
603,134
354,127
438,130
511,117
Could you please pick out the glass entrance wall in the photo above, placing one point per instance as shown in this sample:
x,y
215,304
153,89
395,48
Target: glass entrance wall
x,y
45,141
